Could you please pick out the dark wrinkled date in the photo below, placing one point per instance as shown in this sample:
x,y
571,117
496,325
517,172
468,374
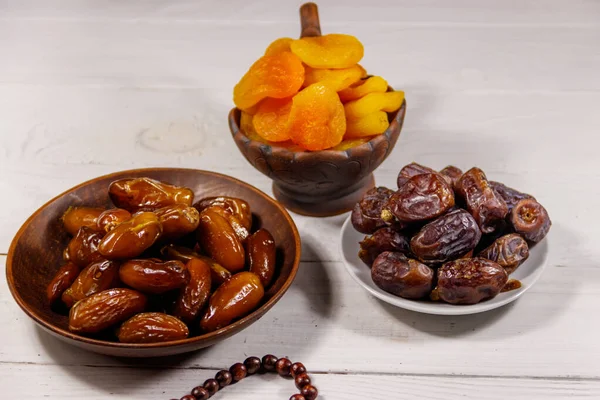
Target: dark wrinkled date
x,y
384,239
421,198
470,280
410,170
510,196
397,274
531,220
486,206
448,237
366,216
509,251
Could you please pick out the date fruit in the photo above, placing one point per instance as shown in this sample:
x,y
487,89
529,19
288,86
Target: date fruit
x,y
261,254
486,206
452,174
145,194
177,221
240,230
410,170
63,279
195,293
509,251
366,215
450,236
152,327
131,238
234,299
105,309
218,239
421,198
531,220
470,280
96,277
109,219
76,217
152,276
397,274
384,239
510,196
237,207
83,249
183,254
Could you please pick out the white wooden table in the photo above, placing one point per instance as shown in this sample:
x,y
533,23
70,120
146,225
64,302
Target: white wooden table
x,y
91,87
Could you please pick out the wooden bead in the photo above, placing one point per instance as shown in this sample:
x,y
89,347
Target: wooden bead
x,y
269,362
297,397
238,371
297,369
253,365
302,380
224,378
309,392
200,393
211,386
283,367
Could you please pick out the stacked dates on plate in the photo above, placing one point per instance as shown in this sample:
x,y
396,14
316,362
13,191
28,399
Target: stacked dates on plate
x,y
447,235
157,267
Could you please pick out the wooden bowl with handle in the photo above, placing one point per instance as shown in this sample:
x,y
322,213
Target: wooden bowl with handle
x,y
35,255
319,183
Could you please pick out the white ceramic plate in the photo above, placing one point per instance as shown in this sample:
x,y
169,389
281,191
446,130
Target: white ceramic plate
x,y
528,273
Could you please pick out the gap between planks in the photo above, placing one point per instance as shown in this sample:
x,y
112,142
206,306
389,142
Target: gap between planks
x,y
320,372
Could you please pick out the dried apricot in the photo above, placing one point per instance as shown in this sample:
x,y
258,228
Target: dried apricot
x,y
349,143
369,125
337,79
317,120
374,84
373,102
329,51
277,76
271,119
279,46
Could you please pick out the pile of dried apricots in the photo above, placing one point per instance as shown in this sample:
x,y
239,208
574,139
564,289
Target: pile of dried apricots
x,y
311,94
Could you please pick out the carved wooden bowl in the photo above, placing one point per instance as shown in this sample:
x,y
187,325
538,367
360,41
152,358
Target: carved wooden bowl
x,y
36,253
320,183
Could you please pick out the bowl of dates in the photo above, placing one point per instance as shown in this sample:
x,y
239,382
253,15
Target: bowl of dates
x,y
153,262
446,242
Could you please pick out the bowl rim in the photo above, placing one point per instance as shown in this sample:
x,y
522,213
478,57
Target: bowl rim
x,y
225,331
270,147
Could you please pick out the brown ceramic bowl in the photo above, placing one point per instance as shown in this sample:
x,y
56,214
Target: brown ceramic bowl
x,y
36,251
319,183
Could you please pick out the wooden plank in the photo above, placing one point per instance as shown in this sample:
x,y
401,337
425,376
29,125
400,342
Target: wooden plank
x,y
390,11
45,150
199,55
332,324
76,382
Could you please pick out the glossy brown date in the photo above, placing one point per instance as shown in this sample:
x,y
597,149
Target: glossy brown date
x,y
239,208
531,220
470,280
109,219
384,239
366,215
96,277
76,217
240,230
510,196
452,174
183,254
177,221
450,236
410,170
509,251
261,254
131,238
145,194
152,276
234,299
194,295
218,239
421,198
83,249
152,327
486,206
105,309
63,279
404,277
